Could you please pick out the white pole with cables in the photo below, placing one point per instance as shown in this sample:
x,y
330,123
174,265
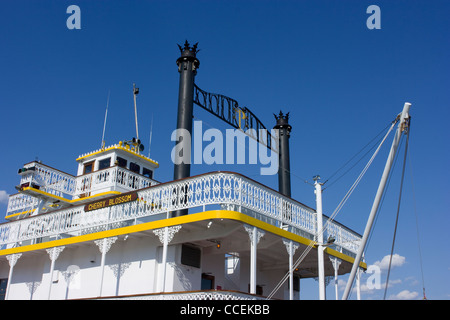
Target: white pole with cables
x,y
135,93
403,121
104,123
150,139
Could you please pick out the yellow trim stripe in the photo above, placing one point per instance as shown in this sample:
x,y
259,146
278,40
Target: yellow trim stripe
x,y
67,200
72,202
207,215
120,148
19,213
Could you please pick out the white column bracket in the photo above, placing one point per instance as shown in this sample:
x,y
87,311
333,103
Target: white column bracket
x,y
104,245
54,252
12,259
171,231
250,230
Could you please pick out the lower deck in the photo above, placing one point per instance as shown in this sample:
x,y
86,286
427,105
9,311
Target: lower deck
x,y
220,250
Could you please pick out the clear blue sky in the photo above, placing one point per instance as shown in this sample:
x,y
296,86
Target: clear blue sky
x,y
341,82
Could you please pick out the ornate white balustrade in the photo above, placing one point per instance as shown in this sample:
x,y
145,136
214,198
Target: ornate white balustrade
x,y
48,179
20,202
67,186
210,191
114,178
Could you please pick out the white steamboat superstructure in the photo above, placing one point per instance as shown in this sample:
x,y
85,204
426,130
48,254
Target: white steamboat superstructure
x,y
108,232
112,231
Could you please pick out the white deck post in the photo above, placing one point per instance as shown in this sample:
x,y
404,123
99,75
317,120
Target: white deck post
x,y
291,248
104,245
165,236
12,259
336,262
255,235
54,254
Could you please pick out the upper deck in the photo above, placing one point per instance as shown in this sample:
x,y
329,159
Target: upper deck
x,y
211,191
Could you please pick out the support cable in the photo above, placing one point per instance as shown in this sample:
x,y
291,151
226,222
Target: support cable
x,y
381,206
353,157
398,213
417,226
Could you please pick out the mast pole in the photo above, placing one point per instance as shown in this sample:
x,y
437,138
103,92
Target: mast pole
x,y
104,123
403,122
135,92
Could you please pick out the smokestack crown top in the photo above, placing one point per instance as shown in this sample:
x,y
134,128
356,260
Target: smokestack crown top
x,y
189,53
282,121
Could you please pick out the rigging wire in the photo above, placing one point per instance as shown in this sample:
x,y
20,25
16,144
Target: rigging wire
x,y
417,225
333,215
398,213
382,201
354,156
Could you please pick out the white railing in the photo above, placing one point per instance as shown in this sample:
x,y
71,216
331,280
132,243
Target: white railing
x,y
67,186
20,202
346,240
113,177
48,179
204,192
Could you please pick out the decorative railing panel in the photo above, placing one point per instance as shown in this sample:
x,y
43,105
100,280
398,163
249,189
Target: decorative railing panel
x,y
109,178
20,202
208,191
49,179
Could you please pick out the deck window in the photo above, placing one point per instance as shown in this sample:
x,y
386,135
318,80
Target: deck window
x,y
121,162
147,173
134,167
105,163
88,167
190,256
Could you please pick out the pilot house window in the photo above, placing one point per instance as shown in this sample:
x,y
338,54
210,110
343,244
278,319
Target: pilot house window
x,y
134,167
88,167
103,164
121,162
147,173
